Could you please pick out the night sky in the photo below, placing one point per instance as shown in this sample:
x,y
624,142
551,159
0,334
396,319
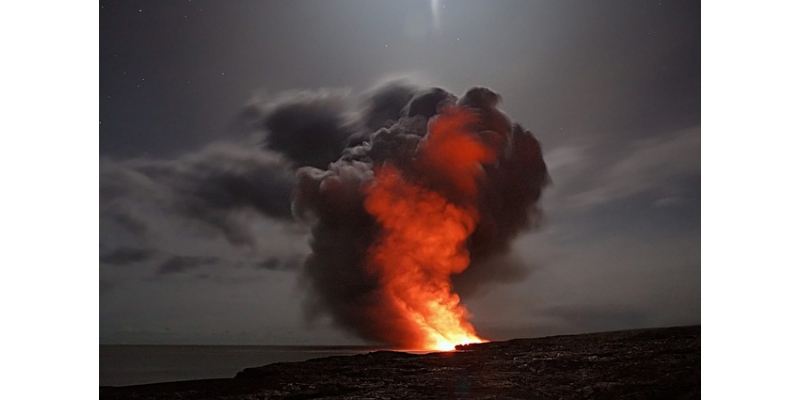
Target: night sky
x,y
610,88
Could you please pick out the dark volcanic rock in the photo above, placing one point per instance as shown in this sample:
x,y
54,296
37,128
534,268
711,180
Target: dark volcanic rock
x,y
640,364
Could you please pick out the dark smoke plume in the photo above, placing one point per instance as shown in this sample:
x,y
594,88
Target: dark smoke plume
x,y
320,152
309,128
337,275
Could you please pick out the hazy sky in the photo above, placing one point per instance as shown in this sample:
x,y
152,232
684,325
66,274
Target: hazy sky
x,y
611,89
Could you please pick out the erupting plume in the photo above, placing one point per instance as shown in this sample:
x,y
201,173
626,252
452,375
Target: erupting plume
x,y
424,235
426,204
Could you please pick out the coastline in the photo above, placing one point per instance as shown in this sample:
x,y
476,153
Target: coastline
x,y
645,363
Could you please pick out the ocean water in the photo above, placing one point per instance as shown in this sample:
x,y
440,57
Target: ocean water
x,y
122,365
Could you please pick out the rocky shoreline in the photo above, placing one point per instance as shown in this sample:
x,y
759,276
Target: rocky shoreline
x,y
662,363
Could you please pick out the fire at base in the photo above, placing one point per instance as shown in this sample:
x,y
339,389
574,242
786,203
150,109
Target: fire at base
x,y
421,246
423,234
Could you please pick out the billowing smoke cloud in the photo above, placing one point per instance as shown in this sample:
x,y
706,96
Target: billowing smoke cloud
x,y
340,274
324,154
309,128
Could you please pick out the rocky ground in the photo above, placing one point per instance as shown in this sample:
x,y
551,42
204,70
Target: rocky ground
x,y
640,364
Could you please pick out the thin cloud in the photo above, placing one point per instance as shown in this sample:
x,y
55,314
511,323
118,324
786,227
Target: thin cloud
x,y
126,255
655,165
177,264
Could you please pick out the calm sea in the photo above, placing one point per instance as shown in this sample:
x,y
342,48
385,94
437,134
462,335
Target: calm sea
x,y
122,365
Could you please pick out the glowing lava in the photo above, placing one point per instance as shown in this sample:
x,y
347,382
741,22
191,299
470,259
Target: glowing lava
x,y
424,233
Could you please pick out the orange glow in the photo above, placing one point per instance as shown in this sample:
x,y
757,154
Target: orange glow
x,y
452,150
424,234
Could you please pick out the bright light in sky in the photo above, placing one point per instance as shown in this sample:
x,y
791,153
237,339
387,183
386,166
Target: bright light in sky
x,y
435,11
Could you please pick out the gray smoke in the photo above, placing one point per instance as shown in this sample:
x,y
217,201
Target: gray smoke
x,y
309,128
336,276
319,152
208,187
